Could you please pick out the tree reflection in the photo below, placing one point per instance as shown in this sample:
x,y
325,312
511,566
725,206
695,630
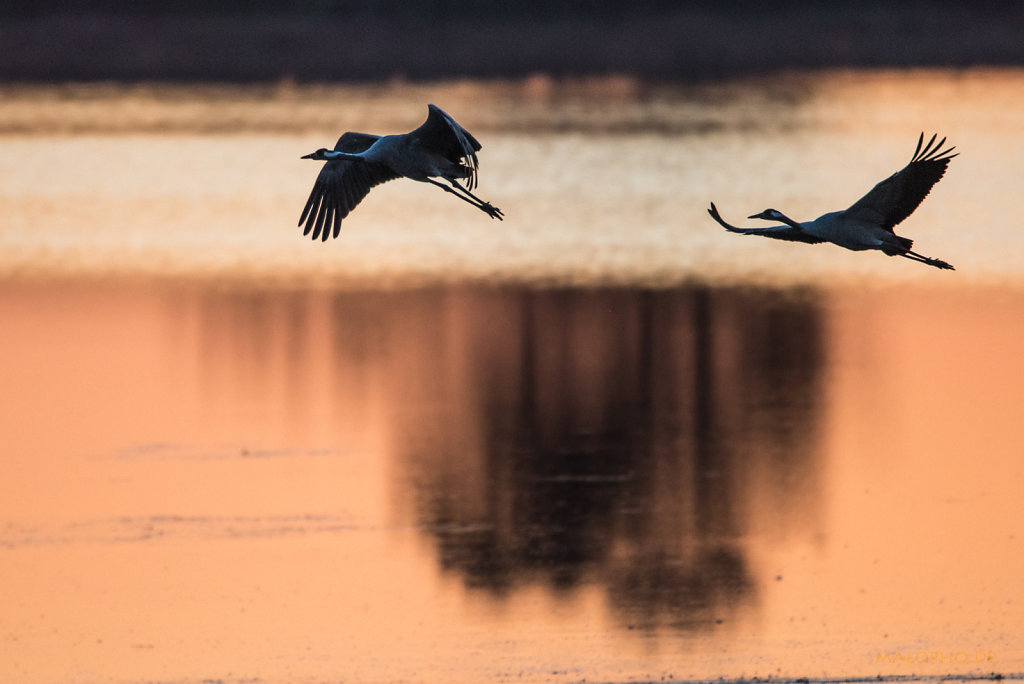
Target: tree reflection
x,y
619,437
631,440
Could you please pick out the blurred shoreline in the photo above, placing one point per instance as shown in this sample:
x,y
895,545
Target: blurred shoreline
x,y
608,180
374,41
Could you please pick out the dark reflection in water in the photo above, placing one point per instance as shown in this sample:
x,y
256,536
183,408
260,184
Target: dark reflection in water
x,y
640,441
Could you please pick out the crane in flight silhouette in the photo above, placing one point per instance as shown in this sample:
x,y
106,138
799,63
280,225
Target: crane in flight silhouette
x,y
869,222
440,148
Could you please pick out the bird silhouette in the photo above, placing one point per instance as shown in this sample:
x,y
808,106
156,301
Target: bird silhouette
x,y
869,222
440,148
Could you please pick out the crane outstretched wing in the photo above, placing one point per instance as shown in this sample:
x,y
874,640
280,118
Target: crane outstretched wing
x,y
443,134
340,186
896,198
783,232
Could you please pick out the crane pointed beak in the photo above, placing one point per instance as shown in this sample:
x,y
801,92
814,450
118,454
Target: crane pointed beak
x,y
754,216
307,156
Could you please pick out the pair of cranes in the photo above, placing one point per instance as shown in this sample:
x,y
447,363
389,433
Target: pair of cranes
x,y
441,148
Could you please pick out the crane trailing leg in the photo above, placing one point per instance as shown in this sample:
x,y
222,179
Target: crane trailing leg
x,y
486,207
937,263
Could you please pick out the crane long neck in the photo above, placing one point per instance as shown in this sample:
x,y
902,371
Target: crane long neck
x,y
335,154
788,221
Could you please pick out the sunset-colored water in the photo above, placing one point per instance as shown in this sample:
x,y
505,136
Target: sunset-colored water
x,y
602,440
467,486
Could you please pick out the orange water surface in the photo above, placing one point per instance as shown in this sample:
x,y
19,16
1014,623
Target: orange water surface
x,y
490,485
603,440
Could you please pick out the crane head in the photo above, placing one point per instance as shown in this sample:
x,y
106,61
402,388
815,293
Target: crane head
x,y
319,155
769,215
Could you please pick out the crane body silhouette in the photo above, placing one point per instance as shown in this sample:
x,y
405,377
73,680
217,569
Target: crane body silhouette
x,y
440,148
869,222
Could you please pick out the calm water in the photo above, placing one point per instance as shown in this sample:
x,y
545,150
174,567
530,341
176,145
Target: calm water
x,y
599,441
